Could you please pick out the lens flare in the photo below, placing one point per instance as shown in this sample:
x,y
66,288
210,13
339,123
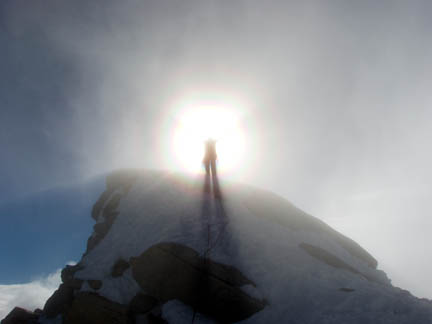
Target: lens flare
x,y
200,122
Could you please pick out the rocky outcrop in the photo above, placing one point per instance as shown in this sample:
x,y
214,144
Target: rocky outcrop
x,y
21,316
145,271
67,276
165,271
104,211
123,179
331,259
63,297
170,271
119,267
101,228
90,308
95,284
59,302
143,304
145,309
272,206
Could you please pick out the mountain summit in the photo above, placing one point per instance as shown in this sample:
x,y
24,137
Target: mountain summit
x,y
166,249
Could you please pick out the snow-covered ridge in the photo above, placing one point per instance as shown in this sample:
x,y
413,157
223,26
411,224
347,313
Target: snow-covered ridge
x,y
156,232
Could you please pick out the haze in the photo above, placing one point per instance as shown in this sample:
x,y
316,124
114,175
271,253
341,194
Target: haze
x,y
335,103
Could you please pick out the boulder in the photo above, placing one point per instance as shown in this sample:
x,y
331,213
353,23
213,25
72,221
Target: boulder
x,y
331,259
98,206
109,214
119,267
90,308
59,302
170,271
20,316
68,272
95,284
142,304
67,276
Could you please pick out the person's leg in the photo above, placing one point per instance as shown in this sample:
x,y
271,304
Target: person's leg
x,y
213,168
207,188
215,180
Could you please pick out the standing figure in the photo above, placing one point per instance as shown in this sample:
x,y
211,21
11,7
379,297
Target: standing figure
x,y
210,157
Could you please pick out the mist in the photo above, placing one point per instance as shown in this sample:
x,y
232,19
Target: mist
x,y
336,103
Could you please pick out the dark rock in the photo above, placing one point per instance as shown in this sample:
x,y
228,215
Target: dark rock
x,y
67,276
101,228
68,272
327,257
346,289
119,267
332,260
93,241
21,316
111,206
59,302
75,283
38,311
90,308
100,203
155,319
109,215
107,204
142,304
174,271
145,309
95,284
120,179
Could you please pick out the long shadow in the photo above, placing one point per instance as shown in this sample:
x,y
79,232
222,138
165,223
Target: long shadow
x,y
214,218
220,218
228,306
206,208
213,222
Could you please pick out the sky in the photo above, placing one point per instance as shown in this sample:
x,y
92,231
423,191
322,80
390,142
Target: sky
x,y
334,98
33,294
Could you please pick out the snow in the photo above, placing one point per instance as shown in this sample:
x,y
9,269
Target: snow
x,y
164,207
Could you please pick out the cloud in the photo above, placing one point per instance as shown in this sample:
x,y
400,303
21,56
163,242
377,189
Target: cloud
x,y
30,295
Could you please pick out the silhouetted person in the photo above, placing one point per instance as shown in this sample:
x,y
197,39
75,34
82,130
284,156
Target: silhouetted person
x,y
210,157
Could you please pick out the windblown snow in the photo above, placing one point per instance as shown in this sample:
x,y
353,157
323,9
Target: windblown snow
x,y
304,270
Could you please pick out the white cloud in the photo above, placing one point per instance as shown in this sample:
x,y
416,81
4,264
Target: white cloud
x,y
30,295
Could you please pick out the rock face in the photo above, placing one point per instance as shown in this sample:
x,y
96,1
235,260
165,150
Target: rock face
x,y
330,259
104,210
90,308
21,316
59,302
170,271
119,268
166,250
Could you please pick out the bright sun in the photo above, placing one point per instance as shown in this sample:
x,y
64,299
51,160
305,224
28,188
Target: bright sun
x,y
201,121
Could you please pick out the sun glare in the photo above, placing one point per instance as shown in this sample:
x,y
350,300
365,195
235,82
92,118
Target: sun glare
x,y
199,122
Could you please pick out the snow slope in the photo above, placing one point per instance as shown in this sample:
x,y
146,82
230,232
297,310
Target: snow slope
x,y
304,270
